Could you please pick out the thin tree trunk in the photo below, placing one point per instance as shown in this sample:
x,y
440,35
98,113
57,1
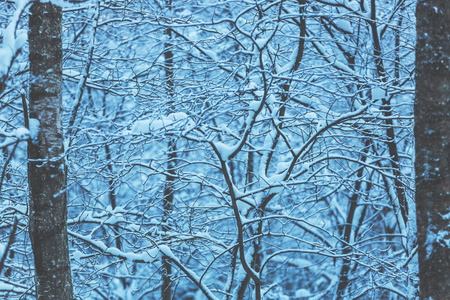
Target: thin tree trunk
x,y
349,228
46,169
166,288
387,112
432,132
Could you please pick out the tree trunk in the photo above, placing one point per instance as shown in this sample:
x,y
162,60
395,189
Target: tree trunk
x,y
46,169
166,288
432,132
349,227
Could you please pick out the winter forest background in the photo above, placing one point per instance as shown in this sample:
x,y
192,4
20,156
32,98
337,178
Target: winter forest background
x,y
222,149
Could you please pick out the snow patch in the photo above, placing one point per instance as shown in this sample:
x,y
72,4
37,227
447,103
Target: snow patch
x,y
261,43
150,125
22,133
224,150
12,42
34,129
211,54
302,293
378,93
77,256
254,105
344,26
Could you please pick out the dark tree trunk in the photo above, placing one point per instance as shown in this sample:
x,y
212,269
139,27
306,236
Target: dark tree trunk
x,y
167,282
432,132
349,227
166,288
46,169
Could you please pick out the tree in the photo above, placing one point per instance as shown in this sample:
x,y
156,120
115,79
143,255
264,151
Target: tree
x,y
432,133
46,167
238,149
167,282
283,116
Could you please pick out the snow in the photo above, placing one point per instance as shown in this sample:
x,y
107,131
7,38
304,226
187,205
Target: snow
x,y
19,134
446,216
337,64
261,43
34,129
60,3
275,179
224,151
114,219
165,122
288,67
84,216
77,255
141,127
378,93
211,54
443,237
259,93
222,105
302,293
282,166
270,100
21,39
5,133
148,256
254,105
374,111
7,51
22,133
305,167
2,249
321,124
354,5
252,86
168,252
15,288
343,25
12,43
5,60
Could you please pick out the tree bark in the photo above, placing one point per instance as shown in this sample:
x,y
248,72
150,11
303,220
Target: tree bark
x,y
46,168
167,282
432,132
349,227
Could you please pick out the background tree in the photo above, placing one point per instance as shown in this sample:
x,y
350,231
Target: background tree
x,y
280,133
432,133
17,275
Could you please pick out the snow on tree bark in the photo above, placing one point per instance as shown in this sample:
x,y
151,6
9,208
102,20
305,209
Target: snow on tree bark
x,y
432,132
46,168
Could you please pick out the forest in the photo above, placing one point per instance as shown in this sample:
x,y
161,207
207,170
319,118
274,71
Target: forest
x,y
210,149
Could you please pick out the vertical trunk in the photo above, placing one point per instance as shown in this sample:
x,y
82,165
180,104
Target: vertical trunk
x,y
46,169
349,228
113,202
287,86
432,132
387,112
166,288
